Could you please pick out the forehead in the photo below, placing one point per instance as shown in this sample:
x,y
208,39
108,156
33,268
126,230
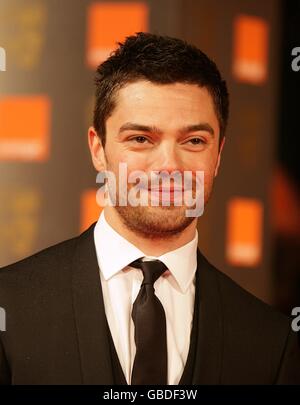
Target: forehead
x,y
176,102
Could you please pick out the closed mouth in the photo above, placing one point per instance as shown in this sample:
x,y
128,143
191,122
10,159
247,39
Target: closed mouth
x,y
166,190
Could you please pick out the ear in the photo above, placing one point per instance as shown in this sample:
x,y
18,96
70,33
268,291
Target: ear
x,y
96,150
219,156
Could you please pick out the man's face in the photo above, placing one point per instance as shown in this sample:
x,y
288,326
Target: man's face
x,y
156,127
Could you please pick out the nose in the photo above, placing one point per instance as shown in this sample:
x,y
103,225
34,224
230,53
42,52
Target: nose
x,y
167,158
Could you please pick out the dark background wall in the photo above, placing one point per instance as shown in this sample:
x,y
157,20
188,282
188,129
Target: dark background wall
x,y
286,190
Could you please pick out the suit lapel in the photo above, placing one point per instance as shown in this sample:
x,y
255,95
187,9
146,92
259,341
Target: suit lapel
x,y
208,357
90,318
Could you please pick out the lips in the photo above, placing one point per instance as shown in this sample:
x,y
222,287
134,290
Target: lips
x,y
166,190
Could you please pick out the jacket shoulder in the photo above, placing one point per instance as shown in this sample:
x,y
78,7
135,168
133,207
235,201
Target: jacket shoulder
x,y
240,304
253,331
51,259
45,257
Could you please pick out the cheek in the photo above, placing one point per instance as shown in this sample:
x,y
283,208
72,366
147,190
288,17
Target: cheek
x,y
134,161
208,167
133,164
207,164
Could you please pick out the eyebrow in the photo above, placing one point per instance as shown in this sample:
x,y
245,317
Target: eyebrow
x,y
203,126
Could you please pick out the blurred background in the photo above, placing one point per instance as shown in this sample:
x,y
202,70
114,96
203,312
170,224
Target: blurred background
x,y
49,50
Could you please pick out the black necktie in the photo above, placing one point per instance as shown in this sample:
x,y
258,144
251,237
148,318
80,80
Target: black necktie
x,y
150,362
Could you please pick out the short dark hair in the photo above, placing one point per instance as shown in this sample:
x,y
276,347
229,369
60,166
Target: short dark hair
x,y
161,60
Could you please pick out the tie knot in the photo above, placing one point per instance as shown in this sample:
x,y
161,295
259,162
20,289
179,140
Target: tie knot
x,y
152,270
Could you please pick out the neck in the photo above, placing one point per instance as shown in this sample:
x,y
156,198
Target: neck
x,y
150,246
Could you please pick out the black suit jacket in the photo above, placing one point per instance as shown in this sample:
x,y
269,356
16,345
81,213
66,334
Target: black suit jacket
x,y
57,332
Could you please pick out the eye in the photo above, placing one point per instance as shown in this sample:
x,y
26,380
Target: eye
x,y
196,141
139,139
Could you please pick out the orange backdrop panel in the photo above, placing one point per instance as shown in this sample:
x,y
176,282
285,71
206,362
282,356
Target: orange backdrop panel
x,y
90,209
250,49
24,127
108,23
244,232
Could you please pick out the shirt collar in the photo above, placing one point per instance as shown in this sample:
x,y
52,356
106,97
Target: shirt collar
x,y
114,253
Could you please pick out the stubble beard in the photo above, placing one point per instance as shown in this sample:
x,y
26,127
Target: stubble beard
x,y
160,222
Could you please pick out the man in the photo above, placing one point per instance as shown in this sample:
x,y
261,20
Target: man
x,y
132,300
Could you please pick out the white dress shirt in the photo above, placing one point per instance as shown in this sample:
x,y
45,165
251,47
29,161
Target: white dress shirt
x,y
121,285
